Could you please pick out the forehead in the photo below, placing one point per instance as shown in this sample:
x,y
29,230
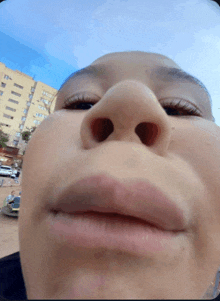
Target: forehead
x,y
135,58
157,66
121,65
135,64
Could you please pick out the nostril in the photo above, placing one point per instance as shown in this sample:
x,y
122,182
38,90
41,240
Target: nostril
x,y
102,128
147,132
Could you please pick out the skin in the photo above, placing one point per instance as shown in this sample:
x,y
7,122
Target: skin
x,y
183,162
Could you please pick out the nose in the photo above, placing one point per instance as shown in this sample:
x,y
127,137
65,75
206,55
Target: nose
x,y
128,111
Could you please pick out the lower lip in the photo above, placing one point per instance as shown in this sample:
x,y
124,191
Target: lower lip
x,y
91,230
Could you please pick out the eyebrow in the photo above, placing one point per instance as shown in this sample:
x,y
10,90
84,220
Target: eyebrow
x,y
165,73
90,70
175,74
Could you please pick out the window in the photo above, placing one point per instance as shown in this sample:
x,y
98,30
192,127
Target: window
x,y
21,127
6,76
1,93
3,84
37,122
8,116
28,103
30,96
32,89
14,101
42,108
15,93
39,115
18,86
23,118
45,101
5,124
10,109
47,94
18,134
25,111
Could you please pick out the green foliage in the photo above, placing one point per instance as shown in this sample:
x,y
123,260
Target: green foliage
x,y
3,138
26,135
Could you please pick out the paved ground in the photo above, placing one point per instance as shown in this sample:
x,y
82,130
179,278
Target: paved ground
x,y
8,225
8,235
7,181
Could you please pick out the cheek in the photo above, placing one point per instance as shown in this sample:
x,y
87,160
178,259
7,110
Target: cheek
x,y
198,142
207,148
51,142
48,152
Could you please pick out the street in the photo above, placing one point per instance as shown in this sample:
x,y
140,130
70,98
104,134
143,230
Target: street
x,y
8,235
8,225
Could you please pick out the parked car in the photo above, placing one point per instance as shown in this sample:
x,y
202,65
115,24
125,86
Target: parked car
x,y
13,207
14,172
5,170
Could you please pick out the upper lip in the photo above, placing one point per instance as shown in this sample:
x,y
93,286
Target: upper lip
x,y
101,193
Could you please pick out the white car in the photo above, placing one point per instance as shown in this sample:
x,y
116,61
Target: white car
x,y
5,170
14,172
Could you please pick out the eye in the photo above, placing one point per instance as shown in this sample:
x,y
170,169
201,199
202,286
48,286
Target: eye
x,y
83,102
79,105
179,107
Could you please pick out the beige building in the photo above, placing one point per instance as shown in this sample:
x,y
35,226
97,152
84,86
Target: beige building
x,y
24,103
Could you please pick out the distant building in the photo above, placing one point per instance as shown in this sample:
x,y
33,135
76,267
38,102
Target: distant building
x,y
24,104
9,155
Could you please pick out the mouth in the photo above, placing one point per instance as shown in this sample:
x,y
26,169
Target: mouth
x,y
99,212
110,217
110,231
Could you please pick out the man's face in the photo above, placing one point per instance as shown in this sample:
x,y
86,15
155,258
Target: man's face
x,y
151,144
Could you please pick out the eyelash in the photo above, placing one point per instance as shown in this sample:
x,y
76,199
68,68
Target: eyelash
x,y
182,105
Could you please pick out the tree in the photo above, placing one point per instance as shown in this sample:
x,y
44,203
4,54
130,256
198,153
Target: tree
x,y
3,138
26,135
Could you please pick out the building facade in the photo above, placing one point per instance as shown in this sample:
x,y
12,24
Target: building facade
x,y
24,103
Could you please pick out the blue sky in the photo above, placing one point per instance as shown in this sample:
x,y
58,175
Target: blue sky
x,y
49,41
36,63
